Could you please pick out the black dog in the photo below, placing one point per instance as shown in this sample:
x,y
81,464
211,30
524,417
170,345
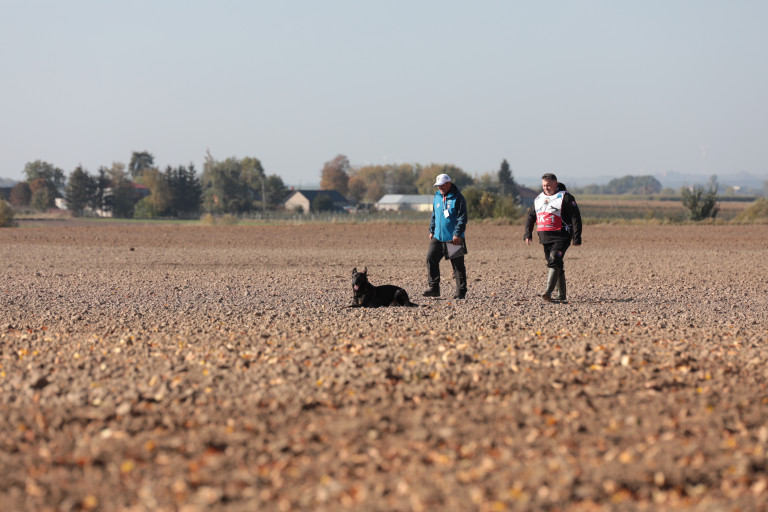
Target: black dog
x,y
365,295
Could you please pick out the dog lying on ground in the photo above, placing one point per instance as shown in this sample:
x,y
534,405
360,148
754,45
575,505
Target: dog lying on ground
x,y
365,295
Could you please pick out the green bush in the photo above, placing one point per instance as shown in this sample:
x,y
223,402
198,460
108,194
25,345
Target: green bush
x,y
6,215
701,203
482,204
207,220
144,209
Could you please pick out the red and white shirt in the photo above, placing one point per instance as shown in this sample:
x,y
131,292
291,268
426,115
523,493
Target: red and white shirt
x,y
549,211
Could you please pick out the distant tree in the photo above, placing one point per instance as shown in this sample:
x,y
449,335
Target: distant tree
x,y
426,180
374,179
335,175
487,181
252,174
50,173
140,161
473,195
159,200
81,188
401,179
43,194
102,182
701,203
322,203
507,183
507,207
122,200
6,215
232,185
668,191
21,194
274,191
356,188
633,185
185,188
375,191
485,204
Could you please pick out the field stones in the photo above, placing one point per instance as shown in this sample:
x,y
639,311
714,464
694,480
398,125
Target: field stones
x,y
177,367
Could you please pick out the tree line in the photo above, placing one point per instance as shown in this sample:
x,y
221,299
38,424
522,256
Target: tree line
x,y
637,185
143,190
490,195
239,186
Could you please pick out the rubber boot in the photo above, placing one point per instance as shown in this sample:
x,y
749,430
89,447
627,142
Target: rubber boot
x,y
560,289
461,286
552,276
433,291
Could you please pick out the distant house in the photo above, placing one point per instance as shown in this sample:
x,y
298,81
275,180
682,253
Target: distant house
x,y
405,202
527,195
303,199
139,193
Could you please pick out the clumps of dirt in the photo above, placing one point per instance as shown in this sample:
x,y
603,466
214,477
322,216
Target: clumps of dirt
x,y
199,368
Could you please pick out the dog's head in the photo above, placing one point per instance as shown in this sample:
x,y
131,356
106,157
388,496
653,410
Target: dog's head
x,y
359,279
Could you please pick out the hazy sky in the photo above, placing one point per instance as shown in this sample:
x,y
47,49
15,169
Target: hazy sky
x,y
580,88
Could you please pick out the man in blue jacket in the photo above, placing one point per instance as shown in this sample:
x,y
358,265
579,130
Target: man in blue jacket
x,y
449,220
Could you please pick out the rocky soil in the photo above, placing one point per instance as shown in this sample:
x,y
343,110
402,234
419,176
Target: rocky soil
x,y
186,368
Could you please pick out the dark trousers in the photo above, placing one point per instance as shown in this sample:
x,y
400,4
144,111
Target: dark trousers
x,y
554,253
436,253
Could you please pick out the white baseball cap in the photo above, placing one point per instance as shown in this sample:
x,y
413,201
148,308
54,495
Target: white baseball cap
x,y
442,179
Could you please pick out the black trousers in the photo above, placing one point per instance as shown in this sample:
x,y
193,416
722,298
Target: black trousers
x,y
554,253
435,253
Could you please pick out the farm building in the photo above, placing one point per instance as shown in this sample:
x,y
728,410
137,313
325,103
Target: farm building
x,y
405,202
527,195
302,199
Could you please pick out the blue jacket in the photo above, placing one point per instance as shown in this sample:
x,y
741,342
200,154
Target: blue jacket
x,y
445,228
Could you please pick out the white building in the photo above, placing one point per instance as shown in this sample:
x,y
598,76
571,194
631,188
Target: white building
x,y
405,202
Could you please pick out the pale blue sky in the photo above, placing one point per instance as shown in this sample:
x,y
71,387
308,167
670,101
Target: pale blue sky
x,y
580,88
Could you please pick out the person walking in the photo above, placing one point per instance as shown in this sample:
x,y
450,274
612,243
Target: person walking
x,y
446,237
558,222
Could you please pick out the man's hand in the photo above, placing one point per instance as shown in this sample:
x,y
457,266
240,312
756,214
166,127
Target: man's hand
x,y
431,236
528,241
456,240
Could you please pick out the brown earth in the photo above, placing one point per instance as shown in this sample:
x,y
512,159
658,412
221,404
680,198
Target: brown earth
x,y
162,367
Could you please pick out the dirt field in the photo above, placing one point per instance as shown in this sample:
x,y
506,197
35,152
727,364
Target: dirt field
x,y
185,368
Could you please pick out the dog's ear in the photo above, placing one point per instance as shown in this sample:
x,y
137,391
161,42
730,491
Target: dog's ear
x,y
365,271
354,271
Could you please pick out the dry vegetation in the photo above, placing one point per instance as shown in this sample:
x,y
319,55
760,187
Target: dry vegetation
x,y
162,367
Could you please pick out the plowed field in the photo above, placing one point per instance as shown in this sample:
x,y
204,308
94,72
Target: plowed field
x,y
184,368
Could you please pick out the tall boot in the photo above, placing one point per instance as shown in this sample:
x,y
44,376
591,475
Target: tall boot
x,y
552,275
560,288
461,285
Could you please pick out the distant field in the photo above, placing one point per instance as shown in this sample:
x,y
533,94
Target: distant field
x,y
624,207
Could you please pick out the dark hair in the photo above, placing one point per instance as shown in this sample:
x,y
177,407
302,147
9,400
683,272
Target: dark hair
x,y
549,177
